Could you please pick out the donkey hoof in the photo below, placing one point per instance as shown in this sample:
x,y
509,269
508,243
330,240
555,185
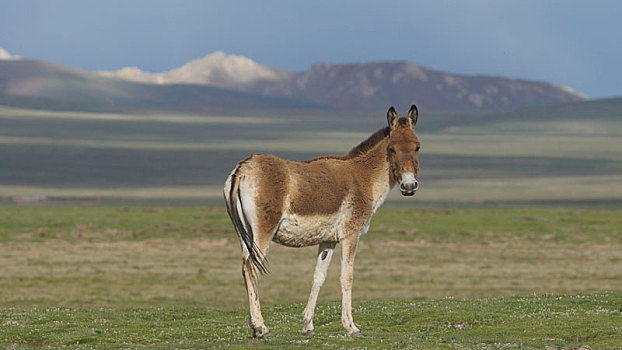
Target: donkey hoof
x,y
356,334
308,332
266,335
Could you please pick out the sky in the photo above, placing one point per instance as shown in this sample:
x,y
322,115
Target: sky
x,y
576,43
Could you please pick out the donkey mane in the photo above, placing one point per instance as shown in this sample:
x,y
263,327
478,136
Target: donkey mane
x,y
361,148
368,144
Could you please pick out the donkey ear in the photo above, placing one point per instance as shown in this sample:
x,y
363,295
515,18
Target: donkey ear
x,y
392,117
413,115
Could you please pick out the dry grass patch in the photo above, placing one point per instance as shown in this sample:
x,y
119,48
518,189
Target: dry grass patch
x,y
206,271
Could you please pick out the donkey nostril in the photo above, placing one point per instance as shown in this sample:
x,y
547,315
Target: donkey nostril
x,y
416,185
409,187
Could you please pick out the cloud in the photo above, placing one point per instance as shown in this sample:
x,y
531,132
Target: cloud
x,y
5,55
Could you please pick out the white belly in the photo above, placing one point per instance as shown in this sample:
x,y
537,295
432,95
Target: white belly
x,y
300,231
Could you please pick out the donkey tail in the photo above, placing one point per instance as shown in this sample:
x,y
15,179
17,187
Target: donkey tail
x,y
242,225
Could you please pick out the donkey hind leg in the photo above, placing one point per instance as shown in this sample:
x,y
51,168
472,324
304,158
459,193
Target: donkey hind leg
x,y
348,252
324,254
250,273
239,197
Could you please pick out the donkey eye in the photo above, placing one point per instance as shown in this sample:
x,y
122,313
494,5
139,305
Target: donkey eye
x,y
391,149
417,149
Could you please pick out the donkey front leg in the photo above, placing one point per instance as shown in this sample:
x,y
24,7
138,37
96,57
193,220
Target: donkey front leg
x,y
324,254
250,274
348,252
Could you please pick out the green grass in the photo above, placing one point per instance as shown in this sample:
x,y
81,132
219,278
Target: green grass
x,y
131,277
530,322
72,224
37,224
481,226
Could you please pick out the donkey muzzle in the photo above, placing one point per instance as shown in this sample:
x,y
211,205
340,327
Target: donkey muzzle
x,y
409,184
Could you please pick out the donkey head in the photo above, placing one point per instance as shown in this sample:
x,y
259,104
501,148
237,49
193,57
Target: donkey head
x,y
403,150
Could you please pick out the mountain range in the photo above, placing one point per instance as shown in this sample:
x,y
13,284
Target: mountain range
x,y
220,81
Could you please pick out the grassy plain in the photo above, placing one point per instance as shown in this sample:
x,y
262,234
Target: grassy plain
x,y
160,276
570,154
101,277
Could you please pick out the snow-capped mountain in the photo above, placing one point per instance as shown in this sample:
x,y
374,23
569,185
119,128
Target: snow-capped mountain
x,y
5,55
218,69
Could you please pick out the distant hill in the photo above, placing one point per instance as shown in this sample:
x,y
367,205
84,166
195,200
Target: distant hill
x,y
374,84
221,81
38,84
362,85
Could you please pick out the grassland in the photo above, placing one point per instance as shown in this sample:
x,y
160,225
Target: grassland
x,y
102,277
547,156
77,274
